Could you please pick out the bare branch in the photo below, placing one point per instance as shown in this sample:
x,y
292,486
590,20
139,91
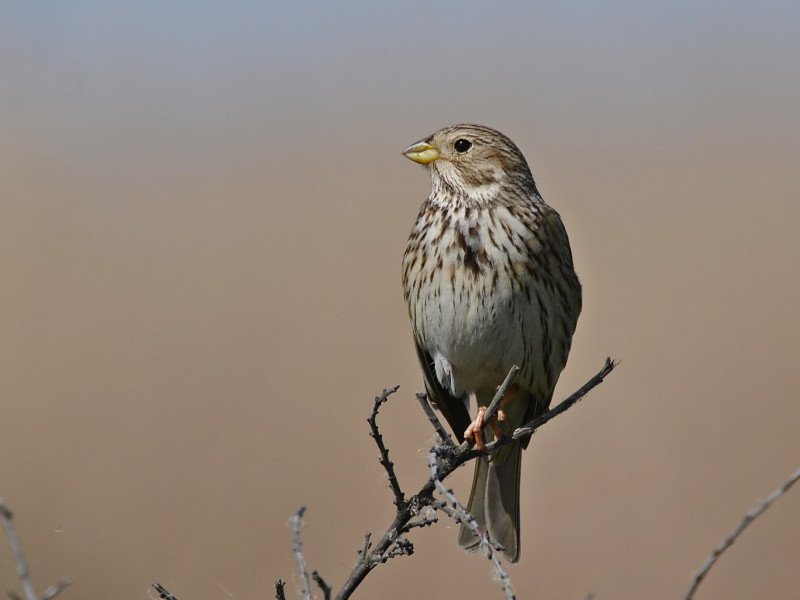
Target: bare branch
x,y
56,589
162,592
280,590
487,545
500,394
364,551
16,548
401,547
387,464
22,565
422,522
297,547
441,432
323,585
728,541
459,515
529,428
445,458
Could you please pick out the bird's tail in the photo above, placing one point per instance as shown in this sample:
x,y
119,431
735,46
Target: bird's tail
x,y
494,501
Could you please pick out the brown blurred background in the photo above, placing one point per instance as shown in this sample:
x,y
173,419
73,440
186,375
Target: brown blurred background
x,y
203,209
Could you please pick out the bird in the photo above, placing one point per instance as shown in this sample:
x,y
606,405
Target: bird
x,y
489,280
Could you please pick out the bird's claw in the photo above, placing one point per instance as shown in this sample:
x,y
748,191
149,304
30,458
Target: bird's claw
x,y
475,429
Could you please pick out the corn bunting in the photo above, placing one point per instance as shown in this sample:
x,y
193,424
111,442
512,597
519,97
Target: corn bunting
x,y
489,282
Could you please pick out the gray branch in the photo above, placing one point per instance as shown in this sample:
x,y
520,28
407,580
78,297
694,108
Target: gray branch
x,y
323,585
22,565
297,547
446,458
462,515
280,590
500,394
388,465
444,438
728,541
162,592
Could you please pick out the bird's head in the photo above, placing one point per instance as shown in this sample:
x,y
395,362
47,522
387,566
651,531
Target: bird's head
x,y
472,161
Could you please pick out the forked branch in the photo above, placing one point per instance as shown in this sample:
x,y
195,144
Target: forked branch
x,y
445,458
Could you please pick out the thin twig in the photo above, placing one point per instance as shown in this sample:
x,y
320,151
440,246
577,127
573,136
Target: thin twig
x,y
323,585
401,547
56,589
460,516
22,565
728,541
297,547
441,432
422,522
162,592
500,394
16,549
364,551
280,590
487,545
387,464
459,513
530,427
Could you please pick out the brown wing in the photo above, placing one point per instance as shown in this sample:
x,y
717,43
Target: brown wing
x,y
451,407
559,301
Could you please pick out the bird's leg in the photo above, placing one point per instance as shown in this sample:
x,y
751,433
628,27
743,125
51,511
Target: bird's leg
x,y
501,413
475,429
498,433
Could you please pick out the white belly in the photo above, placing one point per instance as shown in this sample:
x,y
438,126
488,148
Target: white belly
x,y
478,318
478,334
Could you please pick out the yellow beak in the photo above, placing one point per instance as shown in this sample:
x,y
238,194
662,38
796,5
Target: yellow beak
x,y
422,153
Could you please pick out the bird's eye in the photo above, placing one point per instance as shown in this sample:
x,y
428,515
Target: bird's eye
x,y
462,145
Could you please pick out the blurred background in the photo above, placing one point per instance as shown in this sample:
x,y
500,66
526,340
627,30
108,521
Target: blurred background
x,y
203,208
